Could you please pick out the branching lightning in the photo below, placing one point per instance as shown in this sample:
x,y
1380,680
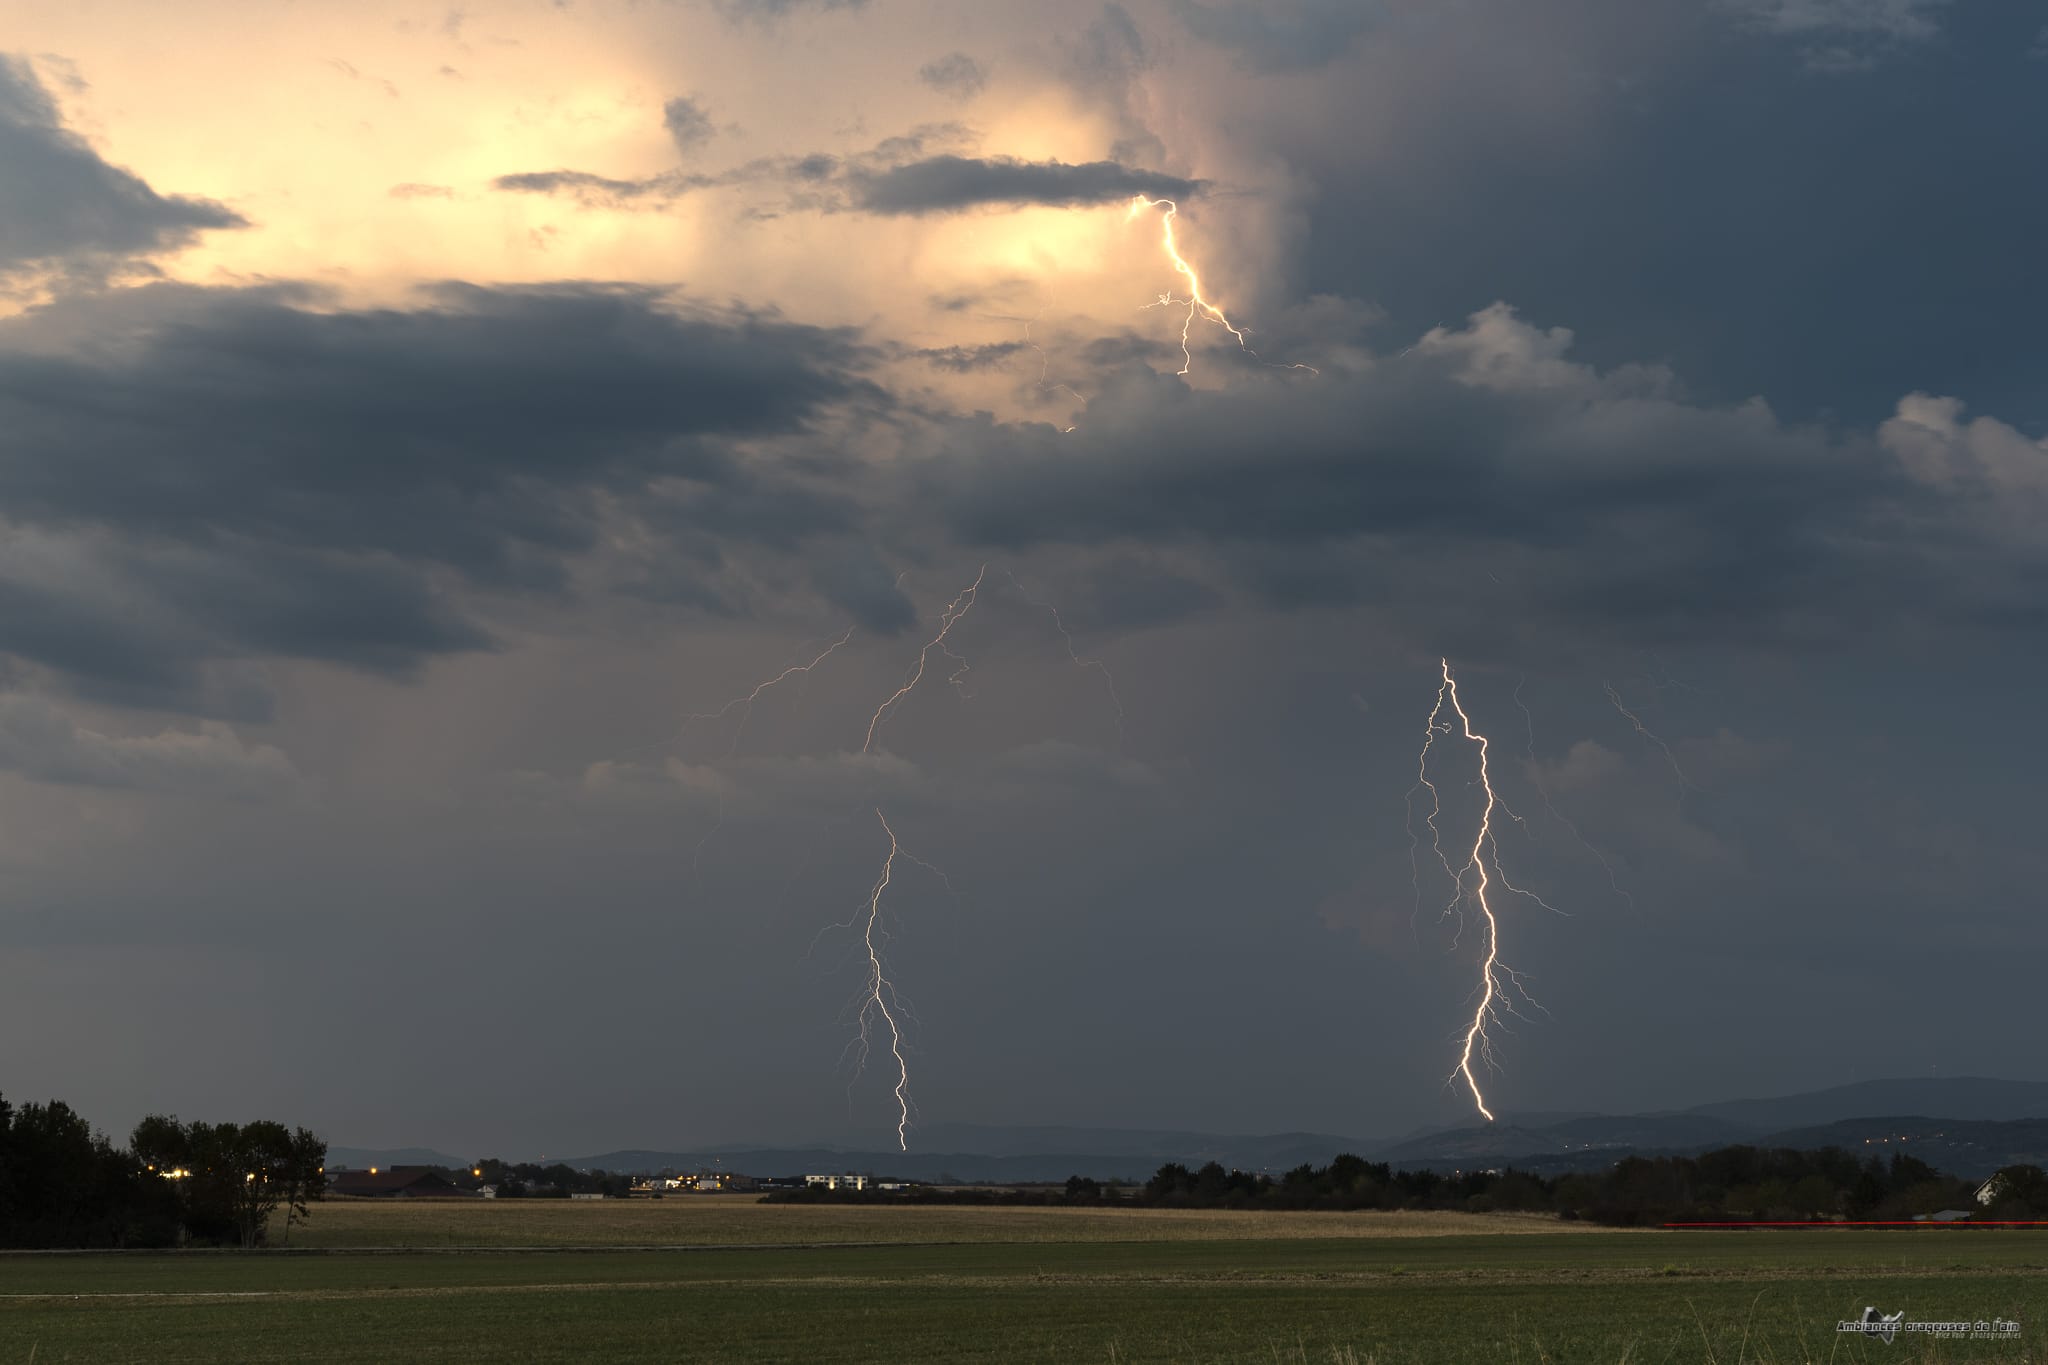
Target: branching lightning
x,y
745,705
878,992
1473,881
949,618
1108,679
1198,304
1684,783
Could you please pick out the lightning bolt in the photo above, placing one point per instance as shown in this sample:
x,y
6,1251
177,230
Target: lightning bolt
x,y
1473,881
949,618
1684,784
1199,305
1108,679
745,704
879,990
1536,778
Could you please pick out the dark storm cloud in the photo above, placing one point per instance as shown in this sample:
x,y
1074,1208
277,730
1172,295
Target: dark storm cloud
x,y
275,480
1488,469
855,580
62,205
1683,187
945,184
1296,35
956,75
880,182
687,123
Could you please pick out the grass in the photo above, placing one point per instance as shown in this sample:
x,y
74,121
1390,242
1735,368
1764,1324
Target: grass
x,y
732,1220
949,1285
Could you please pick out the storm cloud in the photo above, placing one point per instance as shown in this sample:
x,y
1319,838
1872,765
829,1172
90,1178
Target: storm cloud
x,y
288,480
946,184
62,205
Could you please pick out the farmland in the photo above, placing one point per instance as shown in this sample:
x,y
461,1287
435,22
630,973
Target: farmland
x,y
725,1279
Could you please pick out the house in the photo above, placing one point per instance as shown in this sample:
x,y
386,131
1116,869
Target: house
x,y
1988,1192
396,1182
838,1182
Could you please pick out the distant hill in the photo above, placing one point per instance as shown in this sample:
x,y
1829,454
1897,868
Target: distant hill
x,y
1979,1125
362,1158
1597,1141
1957,1097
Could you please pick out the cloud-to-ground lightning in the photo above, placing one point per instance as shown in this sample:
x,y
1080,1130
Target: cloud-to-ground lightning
x,y
1473,881
1199,305
1684,783
880,991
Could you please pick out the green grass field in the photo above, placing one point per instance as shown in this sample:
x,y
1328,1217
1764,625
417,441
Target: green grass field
x,y
717,1280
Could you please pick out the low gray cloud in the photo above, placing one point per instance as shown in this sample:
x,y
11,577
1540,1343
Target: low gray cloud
x,y
944,184
1291,35
896,177
39,741
955,75
689,126
62,206
1580,504
281,478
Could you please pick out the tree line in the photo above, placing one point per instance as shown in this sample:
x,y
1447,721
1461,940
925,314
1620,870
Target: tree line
x,y
1730,1184
62,1184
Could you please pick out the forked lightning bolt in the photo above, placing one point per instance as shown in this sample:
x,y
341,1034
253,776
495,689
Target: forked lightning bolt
x,y
1199,305
949,618
1473,880
880,990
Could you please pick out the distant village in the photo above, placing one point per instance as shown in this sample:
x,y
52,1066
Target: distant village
x,y
499,1180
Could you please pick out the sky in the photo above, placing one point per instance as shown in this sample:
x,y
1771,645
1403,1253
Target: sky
x,y
421,429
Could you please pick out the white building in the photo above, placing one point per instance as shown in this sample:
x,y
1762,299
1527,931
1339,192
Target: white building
x,y
838,1182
